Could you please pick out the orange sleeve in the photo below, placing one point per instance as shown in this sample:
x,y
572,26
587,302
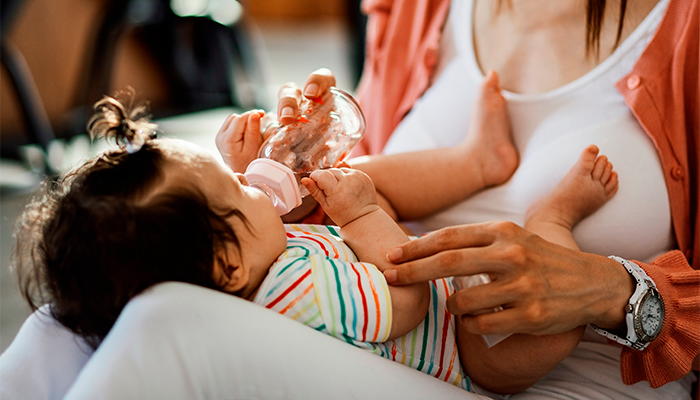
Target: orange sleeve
x,y
401,52
671,355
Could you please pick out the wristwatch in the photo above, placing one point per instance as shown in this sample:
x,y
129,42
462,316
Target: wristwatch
x,y
644,311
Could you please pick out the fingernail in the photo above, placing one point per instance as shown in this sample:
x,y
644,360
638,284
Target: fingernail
x,y
394,255
390,275
287,112
311,90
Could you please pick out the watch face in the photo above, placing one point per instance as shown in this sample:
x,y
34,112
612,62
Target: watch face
x,y
652,315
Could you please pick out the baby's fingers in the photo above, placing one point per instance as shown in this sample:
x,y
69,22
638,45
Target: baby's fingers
x,y
314,190
252,138
327,179
227,137
227,123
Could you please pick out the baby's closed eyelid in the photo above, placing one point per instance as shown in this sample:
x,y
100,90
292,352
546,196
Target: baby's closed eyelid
x,y
241,178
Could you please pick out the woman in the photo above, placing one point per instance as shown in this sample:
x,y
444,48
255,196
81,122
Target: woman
x,y
629,85
172,342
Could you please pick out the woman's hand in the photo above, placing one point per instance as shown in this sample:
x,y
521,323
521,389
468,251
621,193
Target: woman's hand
x,y
544,288
289,96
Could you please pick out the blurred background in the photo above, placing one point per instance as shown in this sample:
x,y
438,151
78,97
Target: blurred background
x,y
195,61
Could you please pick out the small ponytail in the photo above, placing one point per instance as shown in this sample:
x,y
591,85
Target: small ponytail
x,y
118,118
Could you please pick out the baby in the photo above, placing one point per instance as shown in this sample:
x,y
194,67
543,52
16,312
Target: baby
x,y
165,210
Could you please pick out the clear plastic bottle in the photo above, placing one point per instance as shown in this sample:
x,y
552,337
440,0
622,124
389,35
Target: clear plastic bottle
x,y
321,137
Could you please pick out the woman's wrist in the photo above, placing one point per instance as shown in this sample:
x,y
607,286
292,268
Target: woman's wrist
x,y
619,288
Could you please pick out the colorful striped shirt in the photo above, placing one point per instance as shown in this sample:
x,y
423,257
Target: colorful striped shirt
x,y
320,282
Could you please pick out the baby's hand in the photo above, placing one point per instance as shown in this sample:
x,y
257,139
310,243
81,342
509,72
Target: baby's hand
x,y
239,139
345,194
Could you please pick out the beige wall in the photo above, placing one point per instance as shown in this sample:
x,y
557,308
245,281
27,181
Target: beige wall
x,y
302,9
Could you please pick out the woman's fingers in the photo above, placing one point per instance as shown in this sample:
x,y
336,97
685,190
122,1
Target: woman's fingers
x,y
454,237
319,82
543,288
289,97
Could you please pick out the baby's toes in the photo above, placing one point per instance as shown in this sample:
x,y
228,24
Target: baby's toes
x,y
599,167
611,185
606,172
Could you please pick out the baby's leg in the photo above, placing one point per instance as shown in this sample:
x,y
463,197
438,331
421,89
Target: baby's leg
x,y
489,142
517,362
590,183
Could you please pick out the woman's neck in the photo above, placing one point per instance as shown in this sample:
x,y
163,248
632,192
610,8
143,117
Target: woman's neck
x,y
540,45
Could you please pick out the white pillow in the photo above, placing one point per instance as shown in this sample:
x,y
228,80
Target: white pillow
x,y
43,360
179,341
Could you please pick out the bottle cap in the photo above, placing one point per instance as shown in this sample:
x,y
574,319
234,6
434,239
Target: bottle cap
x,y
280,179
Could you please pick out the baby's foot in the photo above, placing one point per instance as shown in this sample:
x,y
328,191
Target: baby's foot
x,y
489,141
589,184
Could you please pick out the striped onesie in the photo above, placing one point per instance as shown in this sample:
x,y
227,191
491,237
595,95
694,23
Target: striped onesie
x,y
319,281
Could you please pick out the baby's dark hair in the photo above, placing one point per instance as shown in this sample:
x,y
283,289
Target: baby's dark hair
x,y
105,232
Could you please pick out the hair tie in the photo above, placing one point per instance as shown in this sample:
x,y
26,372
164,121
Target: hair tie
x,y
135,143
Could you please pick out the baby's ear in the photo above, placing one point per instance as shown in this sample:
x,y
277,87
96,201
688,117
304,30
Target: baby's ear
x,y
232,278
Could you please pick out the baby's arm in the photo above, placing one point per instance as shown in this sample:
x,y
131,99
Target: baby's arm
x,y
349,198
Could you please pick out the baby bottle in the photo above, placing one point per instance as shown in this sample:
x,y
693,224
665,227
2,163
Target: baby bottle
x,y
322,136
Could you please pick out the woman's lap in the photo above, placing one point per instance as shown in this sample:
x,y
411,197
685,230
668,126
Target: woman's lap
x,y
182,341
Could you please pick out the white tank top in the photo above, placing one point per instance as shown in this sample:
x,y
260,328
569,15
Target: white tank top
x,y
550,131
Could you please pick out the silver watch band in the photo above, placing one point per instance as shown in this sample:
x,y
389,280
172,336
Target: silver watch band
x,y
642,283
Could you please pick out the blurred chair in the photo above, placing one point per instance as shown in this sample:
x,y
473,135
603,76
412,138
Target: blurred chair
x,y
206,63
37,125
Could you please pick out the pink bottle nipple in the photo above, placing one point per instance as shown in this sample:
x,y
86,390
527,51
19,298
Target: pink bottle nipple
x,y
277,181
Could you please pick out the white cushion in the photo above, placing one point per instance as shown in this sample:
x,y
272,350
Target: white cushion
x,y
180,341
43,360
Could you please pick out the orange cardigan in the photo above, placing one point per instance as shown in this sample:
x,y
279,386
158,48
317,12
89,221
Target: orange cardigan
x,y
662,91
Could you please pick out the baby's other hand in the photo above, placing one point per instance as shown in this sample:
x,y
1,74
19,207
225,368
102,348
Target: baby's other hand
x,y
344,193
239,139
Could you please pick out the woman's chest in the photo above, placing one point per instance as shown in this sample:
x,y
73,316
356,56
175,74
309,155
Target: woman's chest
x,y
538,46
550,132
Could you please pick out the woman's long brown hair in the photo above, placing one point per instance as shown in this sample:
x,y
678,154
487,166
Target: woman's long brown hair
x,y
595,12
